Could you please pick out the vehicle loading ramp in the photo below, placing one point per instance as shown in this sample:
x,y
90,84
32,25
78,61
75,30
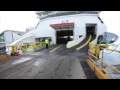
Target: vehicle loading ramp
x,y
60,64
80,54
42,67
66,51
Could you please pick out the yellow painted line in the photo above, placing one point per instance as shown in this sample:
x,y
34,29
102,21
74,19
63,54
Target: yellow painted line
x,y
74,45
55,49
90,37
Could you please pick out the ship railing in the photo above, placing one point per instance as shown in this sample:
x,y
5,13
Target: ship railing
x,y
98,65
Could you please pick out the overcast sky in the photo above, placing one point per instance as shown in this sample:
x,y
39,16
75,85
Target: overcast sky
x,y
20,20
17,20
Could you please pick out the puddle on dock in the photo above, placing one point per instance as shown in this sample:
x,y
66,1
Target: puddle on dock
x,y
36,53
21,60
38,62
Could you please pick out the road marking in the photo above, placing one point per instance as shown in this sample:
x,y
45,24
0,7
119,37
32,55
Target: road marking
x,y
90,37
55,49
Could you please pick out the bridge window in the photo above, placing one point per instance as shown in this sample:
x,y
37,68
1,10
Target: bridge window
x,y
68,13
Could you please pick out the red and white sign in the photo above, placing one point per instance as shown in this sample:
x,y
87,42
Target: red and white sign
x,y
63,26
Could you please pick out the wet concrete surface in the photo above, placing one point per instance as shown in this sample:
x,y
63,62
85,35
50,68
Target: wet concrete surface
x,y
62,64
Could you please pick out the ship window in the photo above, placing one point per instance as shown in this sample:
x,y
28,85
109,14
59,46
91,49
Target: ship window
x,y
2,38
69,13
80,36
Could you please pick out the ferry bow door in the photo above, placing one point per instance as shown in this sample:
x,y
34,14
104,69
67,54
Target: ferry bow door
x,y
64,32
91,29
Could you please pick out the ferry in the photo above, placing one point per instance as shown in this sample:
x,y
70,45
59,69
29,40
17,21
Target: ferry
x,y
81,33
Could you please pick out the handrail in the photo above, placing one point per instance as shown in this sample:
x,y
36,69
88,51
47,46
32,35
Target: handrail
x,y
108,74
111,67
114,69
92,60
93,56
114,50
93,53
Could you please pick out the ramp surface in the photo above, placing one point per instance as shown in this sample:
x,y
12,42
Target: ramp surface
x,y
55,67
62,63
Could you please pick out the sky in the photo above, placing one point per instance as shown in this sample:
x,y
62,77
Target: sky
x,y
17,20
112,21
20,20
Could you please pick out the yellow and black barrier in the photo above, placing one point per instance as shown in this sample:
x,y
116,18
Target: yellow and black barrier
x,y
26,47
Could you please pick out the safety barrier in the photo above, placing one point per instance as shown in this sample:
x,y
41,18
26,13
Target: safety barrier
x,y
93,60
95,49
26,47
